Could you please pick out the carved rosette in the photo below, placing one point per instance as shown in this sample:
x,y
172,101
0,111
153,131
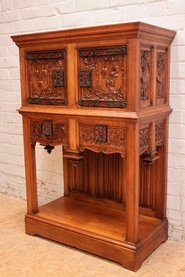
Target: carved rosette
x,y
103,138
160,78
48,132
159,134
46,77
102,77
145,74
144,139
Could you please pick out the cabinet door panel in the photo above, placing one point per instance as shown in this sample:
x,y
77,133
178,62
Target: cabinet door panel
x,y
46,77
102,73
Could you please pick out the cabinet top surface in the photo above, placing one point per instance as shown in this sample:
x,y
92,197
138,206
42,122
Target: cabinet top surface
x,y
98,33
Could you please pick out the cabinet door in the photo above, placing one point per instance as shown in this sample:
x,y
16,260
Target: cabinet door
x,y
46,77
101,77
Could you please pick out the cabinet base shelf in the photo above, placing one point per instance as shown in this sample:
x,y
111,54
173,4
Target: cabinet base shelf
x,y
96,229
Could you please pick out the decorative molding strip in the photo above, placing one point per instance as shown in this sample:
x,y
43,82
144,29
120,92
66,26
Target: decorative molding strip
x,y
94,52
46,101
103,103
45,55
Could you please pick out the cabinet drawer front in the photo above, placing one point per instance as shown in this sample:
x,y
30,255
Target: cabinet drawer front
x,y
102,138
49,132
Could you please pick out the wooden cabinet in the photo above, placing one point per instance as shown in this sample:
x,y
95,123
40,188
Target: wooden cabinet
x,y
101,93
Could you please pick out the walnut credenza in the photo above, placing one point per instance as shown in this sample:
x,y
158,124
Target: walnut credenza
x,y
101,93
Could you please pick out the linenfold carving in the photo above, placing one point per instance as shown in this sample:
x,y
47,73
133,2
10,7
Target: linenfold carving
x,y
102,76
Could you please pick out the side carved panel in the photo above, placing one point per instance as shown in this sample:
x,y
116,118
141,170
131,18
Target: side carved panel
x,y
159,134
160,75
144,139
48,132
46,73
103,138
102,77
145,74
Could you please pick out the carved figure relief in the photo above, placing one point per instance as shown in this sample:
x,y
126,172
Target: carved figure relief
x,y
102,76
47,132
160,86
101,137
145,75
46,77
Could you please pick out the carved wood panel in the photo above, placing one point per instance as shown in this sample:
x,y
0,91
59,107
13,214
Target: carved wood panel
x,y
146,133
161,75
159,133
102,77
102,138
46,73
145,74
48,132
144,139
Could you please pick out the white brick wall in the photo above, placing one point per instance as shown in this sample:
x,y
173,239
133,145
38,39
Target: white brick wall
x,y
25,16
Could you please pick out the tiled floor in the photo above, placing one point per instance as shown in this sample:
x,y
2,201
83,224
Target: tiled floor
x,y
26,256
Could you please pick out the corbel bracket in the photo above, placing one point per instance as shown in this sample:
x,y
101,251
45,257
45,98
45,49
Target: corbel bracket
x,y
150,157
74,156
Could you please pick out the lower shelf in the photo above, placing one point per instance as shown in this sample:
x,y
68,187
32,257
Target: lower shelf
x,y
97,229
